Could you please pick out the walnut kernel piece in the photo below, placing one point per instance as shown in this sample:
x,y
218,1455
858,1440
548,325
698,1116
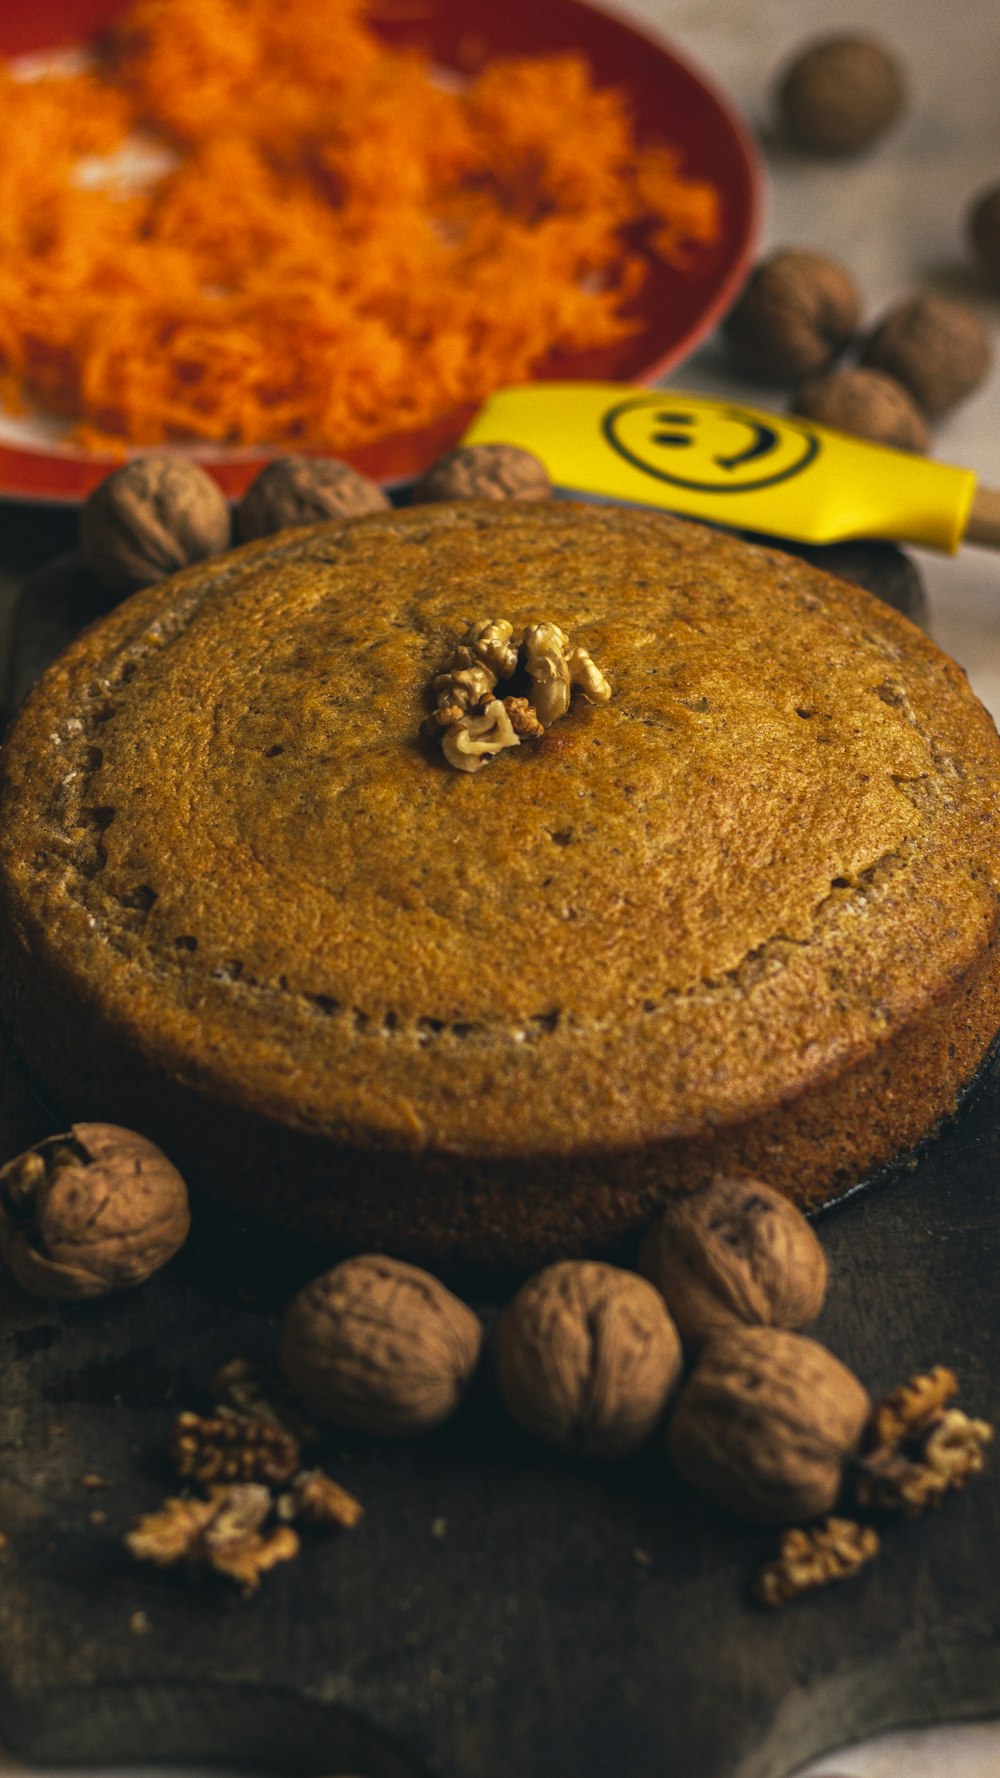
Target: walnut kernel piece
x,y
586,677
90,1212
152,517
939,350
546,659
295,491
736,1253
318,1500
244,1561
223,1533
473,740
832,1551
484,472
231,1448
795,314
173,1532
954,1445
911,1478
911,1407
472,724
523,719
380,1346
587,1356
840,94
493,642
237,1513
919,1447
241,1388
765,1425
465,688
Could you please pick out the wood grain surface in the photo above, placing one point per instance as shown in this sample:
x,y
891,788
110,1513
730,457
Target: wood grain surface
x,y
567,1621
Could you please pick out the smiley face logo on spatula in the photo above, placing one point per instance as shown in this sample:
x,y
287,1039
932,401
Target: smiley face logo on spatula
x,y
707,446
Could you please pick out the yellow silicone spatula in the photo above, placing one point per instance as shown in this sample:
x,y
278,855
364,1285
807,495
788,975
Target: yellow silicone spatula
x,y
737,466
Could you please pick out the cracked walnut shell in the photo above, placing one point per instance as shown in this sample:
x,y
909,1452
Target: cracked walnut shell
x,y
734,1254
765,1425
379,1346
89,1212
587,1356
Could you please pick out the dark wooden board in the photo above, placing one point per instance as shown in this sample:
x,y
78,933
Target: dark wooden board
x,y
527,1641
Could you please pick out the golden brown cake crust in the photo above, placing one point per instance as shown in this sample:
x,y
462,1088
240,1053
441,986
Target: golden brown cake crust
x,y
745,912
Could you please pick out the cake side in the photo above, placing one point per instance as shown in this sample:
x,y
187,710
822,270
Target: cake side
x,y
524,1211
674,931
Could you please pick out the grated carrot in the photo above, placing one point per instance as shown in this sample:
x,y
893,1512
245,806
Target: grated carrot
x,y
340,246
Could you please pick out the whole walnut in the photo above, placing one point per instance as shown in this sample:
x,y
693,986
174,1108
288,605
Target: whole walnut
x,y
89,1212
149,519
484,472
867,403
734,1254
936,348
839,94
984,233
765,1425
797,311
380,1346
305,491
587,1357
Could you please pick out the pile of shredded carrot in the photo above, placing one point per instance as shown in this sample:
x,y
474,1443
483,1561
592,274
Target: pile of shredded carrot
x,y
338,244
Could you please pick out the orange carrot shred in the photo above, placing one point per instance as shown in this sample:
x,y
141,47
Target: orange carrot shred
x,y
334,242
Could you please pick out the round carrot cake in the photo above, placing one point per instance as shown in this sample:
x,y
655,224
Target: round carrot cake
x,y
742,914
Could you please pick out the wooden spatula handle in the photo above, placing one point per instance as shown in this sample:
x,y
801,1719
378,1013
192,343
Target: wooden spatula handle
x,y
984,519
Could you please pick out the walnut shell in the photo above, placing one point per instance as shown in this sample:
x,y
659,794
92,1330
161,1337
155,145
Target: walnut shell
x,y
839,94
984,233
866,403
305,491
380,1346
765,1424
939,350
149,519
90,1212
484,472
587,1356
734,1254
797,311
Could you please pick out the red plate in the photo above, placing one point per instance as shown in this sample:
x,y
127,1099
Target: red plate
x,y
670,100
